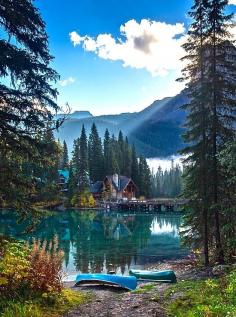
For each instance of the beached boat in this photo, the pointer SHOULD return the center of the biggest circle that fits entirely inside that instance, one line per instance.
(127, 282)
(167, 276)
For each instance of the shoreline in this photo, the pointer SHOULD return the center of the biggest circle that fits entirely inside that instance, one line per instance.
(146, 301)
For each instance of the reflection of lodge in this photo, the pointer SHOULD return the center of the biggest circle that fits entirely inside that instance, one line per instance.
(102, 242)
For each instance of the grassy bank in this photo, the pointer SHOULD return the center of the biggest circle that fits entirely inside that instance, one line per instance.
(203, 298)
(45, 305)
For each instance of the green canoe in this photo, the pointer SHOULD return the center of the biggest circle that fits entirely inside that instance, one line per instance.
(167, 276)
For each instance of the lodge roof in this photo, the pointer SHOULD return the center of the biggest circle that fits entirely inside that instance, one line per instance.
(123, 181)
(96, 187)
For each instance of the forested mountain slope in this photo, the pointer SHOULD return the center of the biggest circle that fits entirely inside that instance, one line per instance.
(156, 131)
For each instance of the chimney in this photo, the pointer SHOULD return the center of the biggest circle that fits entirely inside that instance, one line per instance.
(115, 178)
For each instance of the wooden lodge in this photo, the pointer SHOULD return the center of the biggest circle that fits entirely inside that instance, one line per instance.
(63, 179)
(114, 187)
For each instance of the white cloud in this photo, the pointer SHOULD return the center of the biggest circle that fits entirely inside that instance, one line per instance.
(151, 45)
(232, 2)
(76, 38)
(67, 81)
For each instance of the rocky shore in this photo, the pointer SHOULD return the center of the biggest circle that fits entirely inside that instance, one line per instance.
(147, 301)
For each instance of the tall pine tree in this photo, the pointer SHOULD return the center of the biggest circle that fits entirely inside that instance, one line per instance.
(27, 96)
(65, 158)
(83, 173)
(74, 168)
(107, 147)
(210, 74)
(96, 158)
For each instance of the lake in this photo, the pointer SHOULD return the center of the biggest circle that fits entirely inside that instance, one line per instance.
(100, 241)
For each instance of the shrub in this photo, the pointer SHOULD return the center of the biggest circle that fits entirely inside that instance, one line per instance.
(83, 200)
(91, 201)
(75, 200)
(35, 269)
(45, 273)
(14, 267)
(31, 281)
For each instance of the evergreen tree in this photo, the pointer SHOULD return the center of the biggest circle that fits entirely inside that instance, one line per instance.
(108, 156)
(120, 152)
(167, 184)
(228, 170)
(221, 88)
(134, 166)
(96, 159)
(25, 62)
(27, 97)
(144, 181)
(83, 179)
(50, 162)
(196, 134)
(65, 158)
(75, 156)
(115, 156)
(74, 168)
(127, 154)
(211, 115)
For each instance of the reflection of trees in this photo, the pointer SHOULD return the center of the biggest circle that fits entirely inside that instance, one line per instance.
(110, 241)
(100, 241)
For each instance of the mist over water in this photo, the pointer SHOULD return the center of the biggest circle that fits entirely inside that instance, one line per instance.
(164, 163)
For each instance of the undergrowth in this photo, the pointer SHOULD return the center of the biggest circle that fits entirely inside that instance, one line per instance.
(43, 306)
(31, 281)
(209, 298)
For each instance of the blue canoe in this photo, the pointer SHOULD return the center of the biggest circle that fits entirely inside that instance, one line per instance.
(127, 282)
(158, 276)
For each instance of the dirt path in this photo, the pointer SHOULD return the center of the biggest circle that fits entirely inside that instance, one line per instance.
(146, 301)
(108, 302)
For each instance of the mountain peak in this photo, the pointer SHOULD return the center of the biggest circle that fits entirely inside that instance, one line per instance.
(81, 113)
(78, 114)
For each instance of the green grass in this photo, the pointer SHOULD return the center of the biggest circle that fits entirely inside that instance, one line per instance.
(209, 298)
(48, 305)
(144, 289)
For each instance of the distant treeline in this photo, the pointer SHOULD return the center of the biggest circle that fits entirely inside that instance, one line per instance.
(167, 183)
(93, 159)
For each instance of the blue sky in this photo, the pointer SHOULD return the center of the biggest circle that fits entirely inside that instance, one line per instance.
(115, 56)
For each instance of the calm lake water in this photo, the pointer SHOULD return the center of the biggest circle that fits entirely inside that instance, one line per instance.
(100, 242)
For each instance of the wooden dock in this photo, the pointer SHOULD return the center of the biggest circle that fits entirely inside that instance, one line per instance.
(152, 205)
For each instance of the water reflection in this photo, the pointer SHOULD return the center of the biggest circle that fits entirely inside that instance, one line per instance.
(99, 242)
